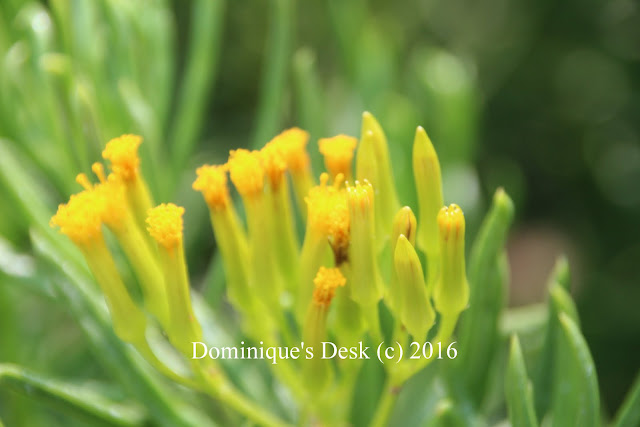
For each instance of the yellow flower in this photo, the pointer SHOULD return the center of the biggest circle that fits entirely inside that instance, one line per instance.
(165, 225)
(247, 172)
(338, 154)
(122, 153)
(328, 215)
(80, 219)
(124, 162)
(326, 282)
(292, 143)
(212, 182)
(274, 164)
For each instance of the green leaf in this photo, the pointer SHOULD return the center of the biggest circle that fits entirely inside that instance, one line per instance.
(518, 389)
(561, 273)
(309, 93)
(559, 302)
(202, 59)
(166, 406)
(83, 402)
(576, 400)
(277, 55)
(448, 414)
(479, 332)
(629, 413)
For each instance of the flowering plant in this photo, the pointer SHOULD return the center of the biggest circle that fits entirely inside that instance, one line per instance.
(359, 248)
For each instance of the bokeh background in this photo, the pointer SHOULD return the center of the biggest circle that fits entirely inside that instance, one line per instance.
(540, 97)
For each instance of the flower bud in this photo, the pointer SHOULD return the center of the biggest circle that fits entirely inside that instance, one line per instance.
(415, 309)
(366, 287)
(404, 224)
(426, 171)
(165, 226)
(229, 234)
(451, 292)
(317, 371)
(383, 180)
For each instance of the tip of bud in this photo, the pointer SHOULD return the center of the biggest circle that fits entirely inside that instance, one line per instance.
(451, 221)
(422, 145)
(360, 197)
(164, 223)
(501, 198)
(405, 224)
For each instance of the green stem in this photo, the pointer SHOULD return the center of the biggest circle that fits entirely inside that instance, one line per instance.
(219, 388)
(447, 325)
(373, 320)
(386, 403)
(395, 382)
(145, 350)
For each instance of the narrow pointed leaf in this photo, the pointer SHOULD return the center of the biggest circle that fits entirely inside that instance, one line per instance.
(629, 413)
(518, 389)
(488, 279)
(83, 402)
(559, 302)
(576, 400)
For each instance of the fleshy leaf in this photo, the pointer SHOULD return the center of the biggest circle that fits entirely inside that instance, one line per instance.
(488, 277)
(518, 389)
(576, 401)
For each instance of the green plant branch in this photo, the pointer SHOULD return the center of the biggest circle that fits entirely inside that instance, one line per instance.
(397, 378)
(218, 387)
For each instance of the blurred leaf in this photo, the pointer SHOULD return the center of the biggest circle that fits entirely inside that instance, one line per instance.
(559, 302)
(275, 65)
(518, 389)
(479, 332)
(368, 389)
(629, 413)
(418, 398)
(202, 60)
(83, 300)
(79, 401)
(348, 18)
(525, 319)
(576, 400)
(309, 93)
(447, 414)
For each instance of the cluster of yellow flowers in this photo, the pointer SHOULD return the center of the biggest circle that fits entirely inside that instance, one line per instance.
(283, 286)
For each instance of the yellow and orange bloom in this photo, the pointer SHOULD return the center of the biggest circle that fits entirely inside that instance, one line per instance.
(338, 154)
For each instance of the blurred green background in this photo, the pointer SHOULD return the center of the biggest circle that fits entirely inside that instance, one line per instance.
(540, 97)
